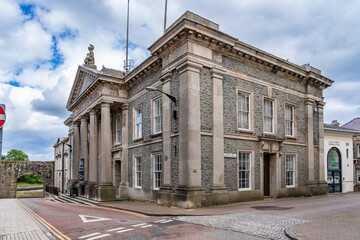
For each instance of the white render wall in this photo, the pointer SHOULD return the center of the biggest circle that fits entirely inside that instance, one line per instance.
(342, 141)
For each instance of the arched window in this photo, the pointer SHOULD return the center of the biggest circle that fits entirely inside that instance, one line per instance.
(333, 159)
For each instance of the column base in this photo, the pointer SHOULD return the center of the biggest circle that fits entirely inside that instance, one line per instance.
(189, 196)
(124, 190)
(164, 196)
(90, 190)
(313, 188)
(218, 196)
(105, 192)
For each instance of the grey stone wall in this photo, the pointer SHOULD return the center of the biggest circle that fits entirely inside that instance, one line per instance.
(230, 84)
(144, 102)
(316, 162)
(146, 161)
(206, 105)
(176, 93)
(301, 165)
(251, 69)
(175, 161)
(11, 171)
(316, 125)
(144, 83)
(232, 146)
(206, 162)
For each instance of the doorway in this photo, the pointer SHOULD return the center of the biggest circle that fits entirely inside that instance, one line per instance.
(334, 174)
(266, 174)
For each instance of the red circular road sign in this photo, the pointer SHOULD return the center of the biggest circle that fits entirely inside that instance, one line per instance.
(2, 116)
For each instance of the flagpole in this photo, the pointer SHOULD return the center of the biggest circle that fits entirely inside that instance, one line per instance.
(127, 41)
(165, 15)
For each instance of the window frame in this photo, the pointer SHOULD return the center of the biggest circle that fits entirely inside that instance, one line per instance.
(293, 119)
(293, 171)
(154, 171)
(118, 131)
(137, 124)
(251, 111)
(358, 150)
(136, 171)
(358, 175)
(251, 173)
(153, 117)
(273, 115)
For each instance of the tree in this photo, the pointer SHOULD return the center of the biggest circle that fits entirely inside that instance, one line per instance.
(16, 155)
(2, 157)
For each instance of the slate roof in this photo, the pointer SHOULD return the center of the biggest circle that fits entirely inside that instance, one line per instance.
(353, 124)
(340, 129)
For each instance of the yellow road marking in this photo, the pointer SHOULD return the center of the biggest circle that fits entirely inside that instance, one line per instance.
(107, 208)
(51, 228)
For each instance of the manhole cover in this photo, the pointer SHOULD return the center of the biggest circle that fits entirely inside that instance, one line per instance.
(275, 208)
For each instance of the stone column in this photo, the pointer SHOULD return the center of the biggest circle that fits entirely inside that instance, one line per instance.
(322, 182)
(189, 193)
(93, 156)
(310, 143)
(218, 188)
(124, 184)
(105, 190)
(76, 155)
(84, 152)
(164, 195)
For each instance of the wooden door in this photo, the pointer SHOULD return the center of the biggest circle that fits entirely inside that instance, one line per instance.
(266, 174)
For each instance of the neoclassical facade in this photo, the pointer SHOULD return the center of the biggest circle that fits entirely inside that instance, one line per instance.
(62, 164)
(242, 124)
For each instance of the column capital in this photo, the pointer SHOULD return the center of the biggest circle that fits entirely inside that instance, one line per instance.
(84, 118)
(93, 111)
(321, 105)
(105, 104)
(217, 73)
(189, 66)
(166, 77)
(309, 101)
(125, 107)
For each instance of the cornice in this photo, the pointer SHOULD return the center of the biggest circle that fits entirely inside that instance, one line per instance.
(188, 30)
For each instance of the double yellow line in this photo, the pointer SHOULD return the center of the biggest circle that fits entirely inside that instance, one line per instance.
(51, 228)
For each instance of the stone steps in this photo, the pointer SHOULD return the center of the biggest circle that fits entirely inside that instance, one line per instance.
(74, 200)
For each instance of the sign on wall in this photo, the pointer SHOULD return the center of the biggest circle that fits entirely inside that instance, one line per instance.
(2, 122)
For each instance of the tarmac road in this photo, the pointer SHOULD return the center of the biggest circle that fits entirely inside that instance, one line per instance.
(69, 221)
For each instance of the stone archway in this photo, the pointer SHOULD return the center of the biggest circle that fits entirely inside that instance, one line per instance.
(11, 171)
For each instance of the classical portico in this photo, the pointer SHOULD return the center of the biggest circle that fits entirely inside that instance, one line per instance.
(95, 94)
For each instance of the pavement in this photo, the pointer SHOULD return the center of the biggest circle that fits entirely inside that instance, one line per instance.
(17, 223)
(334, 216)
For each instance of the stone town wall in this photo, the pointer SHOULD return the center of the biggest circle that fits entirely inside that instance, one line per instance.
(11, 171)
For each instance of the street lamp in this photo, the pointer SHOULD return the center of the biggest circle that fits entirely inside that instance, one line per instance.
(172, 98)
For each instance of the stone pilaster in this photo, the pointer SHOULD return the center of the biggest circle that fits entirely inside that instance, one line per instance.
(76, 155)
(84, 152)
(309, 108)
(93, 156)
(189, 193)
(322, 184)
(105, 190)
(164, 195)
(124, 184)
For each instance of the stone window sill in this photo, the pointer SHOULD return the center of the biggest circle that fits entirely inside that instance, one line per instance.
(138, 140)
(245, 131)
(155, 135)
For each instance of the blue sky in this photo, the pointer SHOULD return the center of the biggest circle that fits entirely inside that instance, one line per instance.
(42, 43)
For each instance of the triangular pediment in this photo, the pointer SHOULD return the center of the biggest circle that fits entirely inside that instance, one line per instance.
(83, 79)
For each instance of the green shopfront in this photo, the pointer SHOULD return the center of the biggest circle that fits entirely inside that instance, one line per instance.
(334, 175)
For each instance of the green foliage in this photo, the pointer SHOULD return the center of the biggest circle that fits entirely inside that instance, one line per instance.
(31, 178)
(16, 155)
(2, 157)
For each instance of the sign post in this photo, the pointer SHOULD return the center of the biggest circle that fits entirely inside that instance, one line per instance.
(2, 121)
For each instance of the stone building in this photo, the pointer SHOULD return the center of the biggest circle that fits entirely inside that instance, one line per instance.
(242, 124)
(62, 162)
(338, 157)
(355, 125)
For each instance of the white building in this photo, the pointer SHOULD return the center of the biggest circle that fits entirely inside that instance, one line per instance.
(62, 162)
(338, 157)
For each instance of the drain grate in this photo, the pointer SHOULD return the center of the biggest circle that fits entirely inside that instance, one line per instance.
(274, 208)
